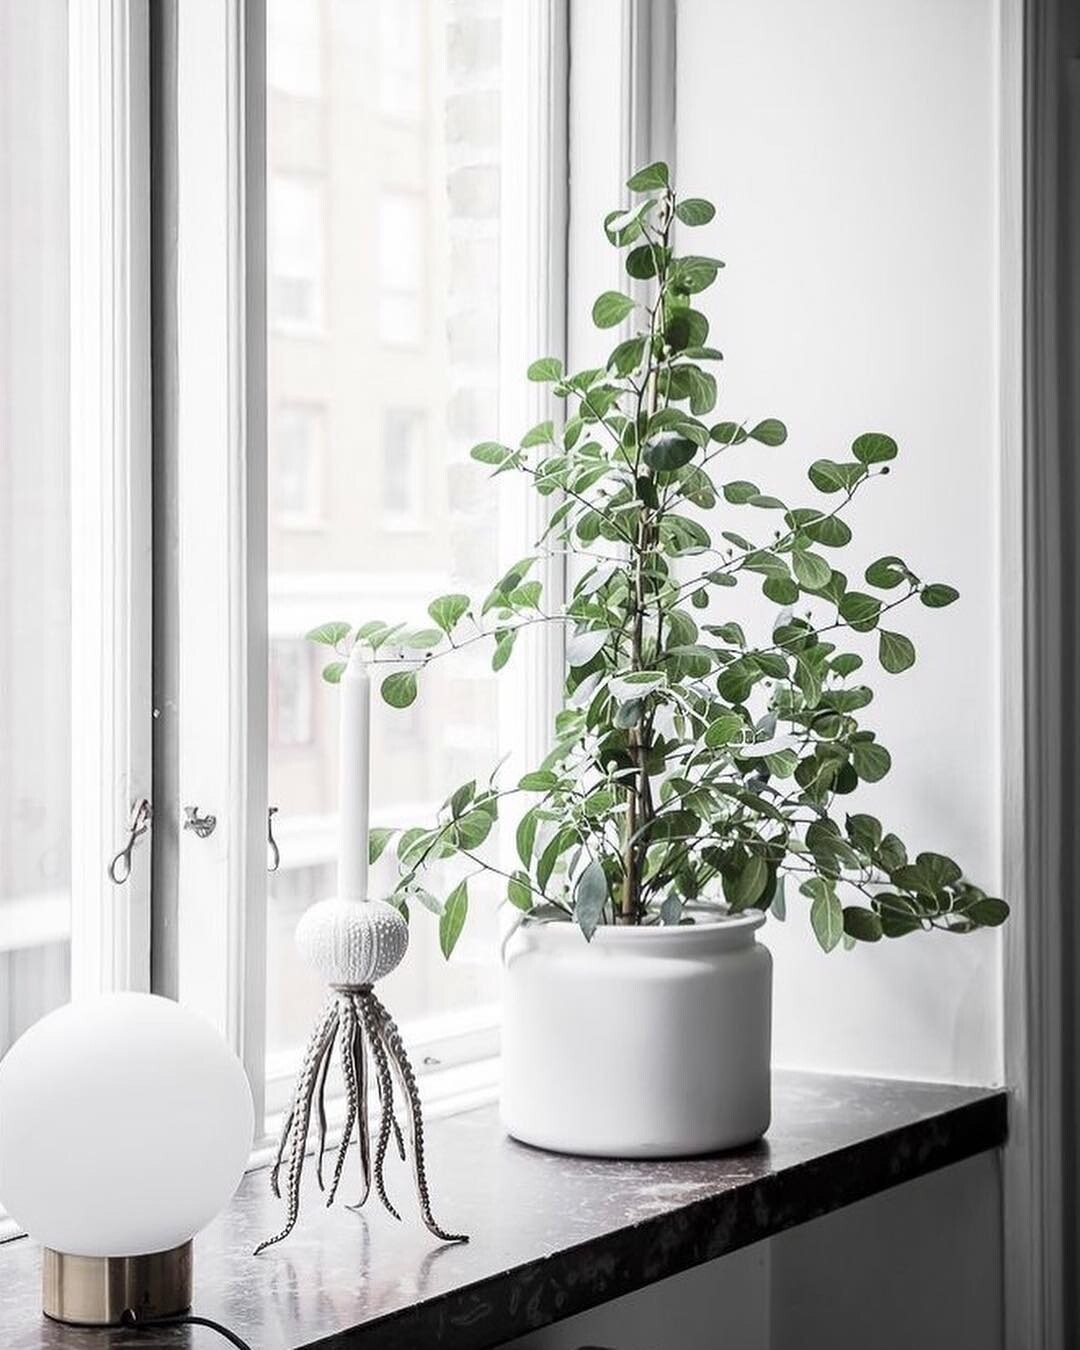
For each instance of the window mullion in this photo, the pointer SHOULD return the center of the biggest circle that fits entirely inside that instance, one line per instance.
(110, 485)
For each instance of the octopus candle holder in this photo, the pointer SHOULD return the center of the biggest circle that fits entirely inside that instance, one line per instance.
(352, 944)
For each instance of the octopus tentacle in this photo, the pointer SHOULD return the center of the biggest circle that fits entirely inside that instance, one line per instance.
(363, 1127)
(286, 1131)
(320, 1112)
(390, 1036)
(372, 1029)
(347, 1023)
(317, 1048)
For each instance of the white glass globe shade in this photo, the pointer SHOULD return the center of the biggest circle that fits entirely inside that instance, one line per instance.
(125, 1126)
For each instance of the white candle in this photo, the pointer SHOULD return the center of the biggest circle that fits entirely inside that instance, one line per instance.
(354, 774)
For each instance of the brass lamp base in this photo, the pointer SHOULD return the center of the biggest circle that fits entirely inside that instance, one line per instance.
(96, 1291)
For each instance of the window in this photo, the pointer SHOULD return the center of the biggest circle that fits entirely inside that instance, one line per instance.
(291, 705)
(296, 252)
(401, 269)
(299, 432)
(401, 60)
(294, 48)
(410, 376)
(403, 469)
(35, 521)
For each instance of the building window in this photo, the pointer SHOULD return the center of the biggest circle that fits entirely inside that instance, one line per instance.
(292, 720)
(403, 469)
(401, 269)
(296, 228)
(401, 60)
(294, 47)
(299, 436)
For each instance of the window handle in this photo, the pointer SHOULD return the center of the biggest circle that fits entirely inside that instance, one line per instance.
(119, 868)
(204, 826)
(275, 852)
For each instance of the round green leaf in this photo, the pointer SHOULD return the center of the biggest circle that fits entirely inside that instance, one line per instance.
(611, 308)
(895, 652)
(874, 447)
(650, 179)
(725, 729)
(447, 610)
(827, 919)
(695, 211)
(399, 689)
(872, 761)
(769, 432)
(811, 570)
(669, 451)
(590, 897)
(329, 634)
(989, 912)
(938, 595)
(859, 610)
(544, 371)
(862, 924)
(885, 573)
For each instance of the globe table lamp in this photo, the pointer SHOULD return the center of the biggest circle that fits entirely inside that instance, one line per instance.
(125, 1126)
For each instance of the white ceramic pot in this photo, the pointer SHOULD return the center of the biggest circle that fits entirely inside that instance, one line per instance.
(649, 1042)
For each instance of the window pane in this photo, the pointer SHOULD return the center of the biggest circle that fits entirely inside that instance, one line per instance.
(403, 159)
(35, 562)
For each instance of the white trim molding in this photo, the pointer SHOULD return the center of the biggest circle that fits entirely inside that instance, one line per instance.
(108, 90)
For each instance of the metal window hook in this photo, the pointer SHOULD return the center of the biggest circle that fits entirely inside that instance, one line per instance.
(275, 852)
(204, 826)
(119, 868)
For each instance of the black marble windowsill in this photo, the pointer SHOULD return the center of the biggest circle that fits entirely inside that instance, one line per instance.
(551, 1235)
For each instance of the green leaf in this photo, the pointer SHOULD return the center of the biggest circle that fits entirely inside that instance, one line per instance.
(525, 836)
(590, 897)
(885, 573)
(333, 672)
(872, 761)
(491, 452)
(541, 434)
(725, 729)
(453, 917)
(420, 638)
(611, 308)
(399, 689)
(811, 570)
(695, 211)
(874, 447)
(859, 610)
(329, 634)
(627, 356)
(938, 595)
(749, 886)
(669, 451)
(519, 892)
(691, 275)
(650, 179)
(582, 647)
(769, 432)
(546, 369)
(542, 780)
(472, 829)
(895, 652)
(739, 492)
(827, 919)
(641, 261)
(988, 912)
(862, 924)
(447, 610)
(828, 476)
(377, 842)
(504, 646)
(728, 433)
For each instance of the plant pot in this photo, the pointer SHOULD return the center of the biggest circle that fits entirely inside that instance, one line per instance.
(647, 1042)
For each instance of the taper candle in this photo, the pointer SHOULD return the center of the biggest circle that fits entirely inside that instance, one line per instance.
(354, 772)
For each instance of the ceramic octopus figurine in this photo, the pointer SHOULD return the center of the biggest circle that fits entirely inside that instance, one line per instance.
(352, 944)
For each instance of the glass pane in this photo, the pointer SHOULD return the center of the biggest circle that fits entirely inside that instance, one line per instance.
(385, 222)
(35, 563)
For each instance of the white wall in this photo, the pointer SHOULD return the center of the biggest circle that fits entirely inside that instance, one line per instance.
(851, 148)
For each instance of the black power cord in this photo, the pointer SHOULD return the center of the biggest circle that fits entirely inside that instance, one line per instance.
(130, 1318)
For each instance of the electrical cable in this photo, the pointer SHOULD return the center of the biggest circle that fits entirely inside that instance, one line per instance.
(130, 1318)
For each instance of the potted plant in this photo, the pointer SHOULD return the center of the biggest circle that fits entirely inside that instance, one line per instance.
(699, 773)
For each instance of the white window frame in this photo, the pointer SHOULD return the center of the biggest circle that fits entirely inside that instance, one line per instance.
(108, 90)
(110, 497)
(221, 381)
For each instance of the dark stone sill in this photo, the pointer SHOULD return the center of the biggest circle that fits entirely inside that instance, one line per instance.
(551, 1235)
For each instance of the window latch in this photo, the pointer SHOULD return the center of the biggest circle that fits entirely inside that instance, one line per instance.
(119, 868)
(275, 852)
(204, 826)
